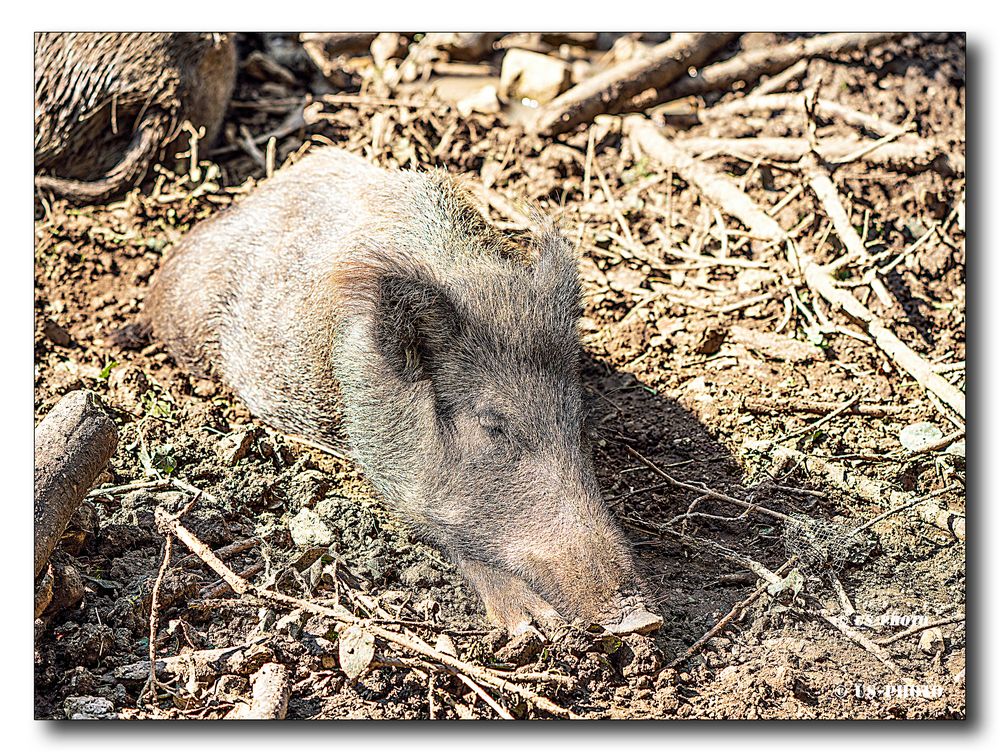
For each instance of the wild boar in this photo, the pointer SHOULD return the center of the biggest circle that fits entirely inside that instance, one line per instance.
(108, 104)
(344, 300)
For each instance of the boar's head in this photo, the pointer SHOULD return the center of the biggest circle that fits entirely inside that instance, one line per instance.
(462, 395)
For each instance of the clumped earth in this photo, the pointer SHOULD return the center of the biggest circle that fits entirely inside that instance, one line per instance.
(704, 352)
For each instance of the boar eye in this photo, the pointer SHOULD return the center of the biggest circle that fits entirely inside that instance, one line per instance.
(492, 423)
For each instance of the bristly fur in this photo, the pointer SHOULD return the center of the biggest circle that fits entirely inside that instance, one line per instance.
(108, 104)
(344, 299)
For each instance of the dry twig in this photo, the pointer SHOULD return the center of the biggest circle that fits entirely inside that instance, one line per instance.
(854, 635)
(918, 628)
(907, 154)
(734, 613)
(411, 644)
(750, 66)
(770, 103)
(817, 407)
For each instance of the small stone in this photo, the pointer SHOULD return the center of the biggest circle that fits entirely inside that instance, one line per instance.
(482, 100)
(916, 436)
(421, 574)
(932, 641)
(386, 46)
(309, 487)
(530, 75)
(231, 687)
(204, 387)
(126, 387)
(308, 529)
(711, 340)
(88, 708)
(68, 589)
(640, 656)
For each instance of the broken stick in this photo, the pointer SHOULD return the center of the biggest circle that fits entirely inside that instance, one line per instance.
(817, 407)
(717, 188)
(871, 490)
(269, 699)
(611, 90)
(908, 154)
(770, 103)
(73, 443)
(822, 282)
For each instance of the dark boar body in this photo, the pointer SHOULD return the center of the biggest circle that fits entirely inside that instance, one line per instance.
(341, 299)
(107, 105)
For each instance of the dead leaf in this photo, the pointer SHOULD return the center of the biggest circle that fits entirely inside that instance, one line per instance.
(357, 649)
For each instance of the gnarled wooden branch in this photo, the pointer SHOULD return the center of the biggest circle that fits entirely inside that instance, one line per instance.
(73, 443)
(612, 90)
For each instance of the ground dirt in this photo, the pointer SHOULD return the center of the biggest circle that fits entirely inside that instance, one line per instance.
(695, 358)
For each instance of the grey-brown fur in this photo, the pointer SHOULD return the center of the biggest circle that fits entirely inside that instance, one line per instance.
(342, 300)
(108, 104)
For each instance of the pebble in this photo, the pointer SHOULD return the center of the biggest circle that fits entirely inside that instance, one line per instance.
(88, 708)
(308, 529)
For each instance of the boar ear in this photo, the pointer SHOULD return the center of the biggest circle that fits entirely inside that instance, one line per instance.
(556, 267)
(416, 322)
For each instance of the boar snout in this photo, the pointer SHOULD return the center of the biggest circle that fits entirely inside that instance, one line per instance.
(579, 563)
(513, 604)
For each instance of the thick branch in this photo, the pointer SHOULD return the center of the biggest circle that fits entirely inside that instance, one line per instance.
(72, 445)
(270, 693)
(612, 90)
